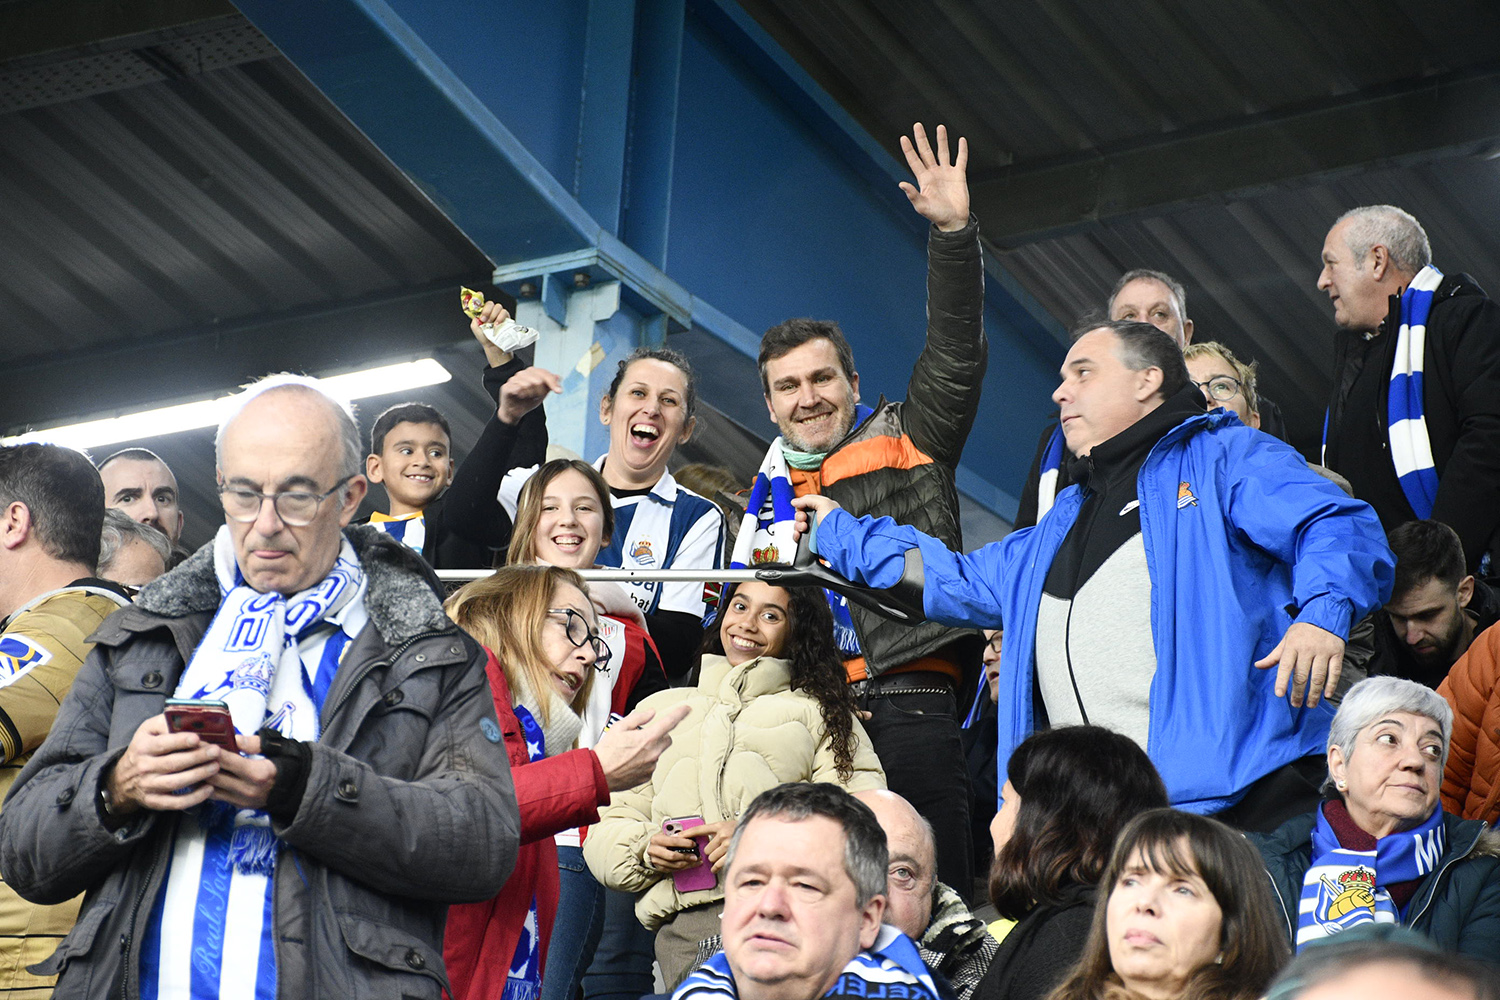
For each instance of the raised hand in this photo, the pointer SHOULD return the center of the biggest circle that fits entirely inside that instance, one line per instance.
(941, 194)
(524, 392)
(629, 749)
(493, 314)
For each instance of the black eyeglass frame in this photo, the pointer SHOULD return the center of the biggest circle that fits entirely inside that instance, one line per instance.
(1239, 387)
(601, 648)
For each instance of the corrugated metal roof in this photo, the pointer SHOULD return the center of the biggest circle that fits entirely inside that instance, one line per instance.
(1048, 83)
(191, 180)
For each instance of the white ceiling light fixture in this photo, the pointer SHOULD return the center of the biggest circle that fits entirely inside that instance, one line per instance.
(207, 412)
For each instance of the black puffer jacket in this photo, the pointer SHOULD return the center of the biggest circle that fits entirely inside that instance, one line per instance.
(899, 462)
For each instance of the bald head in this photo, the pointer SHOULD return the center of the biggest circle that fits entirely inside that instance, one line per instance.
(913, 865)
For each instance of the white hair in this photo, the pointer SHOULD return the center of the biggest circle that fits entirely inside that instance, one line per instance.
(353, 458)
(119, 529)
(1374, 698)
(1393, 228)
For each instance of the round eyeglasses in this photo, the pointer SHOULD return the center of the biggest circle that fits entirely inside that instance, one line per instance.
(1220, 389)
(579, 633)
(295, 508)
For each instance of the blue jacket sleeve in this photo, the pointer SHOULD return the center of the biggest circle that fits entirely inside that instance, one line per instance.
(1342, 568)
(957, 589)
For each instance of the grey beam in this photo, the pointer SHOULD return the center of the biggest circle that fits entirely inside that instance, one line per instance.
(1419, 121)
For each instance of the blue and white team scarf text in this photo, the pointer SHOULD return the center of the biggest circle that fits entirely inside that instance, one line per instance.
(211, 933)
(767, 536)
(1406, 423)
(892, 968)
(1343, 888)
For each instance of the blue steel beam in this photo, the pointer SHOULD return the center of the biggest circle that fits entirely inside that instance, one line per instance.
(609, 51)
(410, 103)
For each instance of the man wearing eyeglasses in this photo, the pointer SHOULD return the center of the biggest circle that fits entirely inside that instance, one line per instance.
(1192, 590)
(365, 788)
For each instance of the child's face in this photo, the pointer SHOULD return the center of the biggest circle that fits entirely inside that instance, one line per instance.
(414, 466)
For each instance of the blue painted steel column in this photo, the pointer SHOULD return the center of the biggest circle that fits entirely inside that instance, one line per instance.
(653, 115)
(608, 57)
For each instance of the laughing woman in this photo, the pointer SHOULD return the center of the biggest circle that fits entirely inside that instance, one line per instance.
(772, 705)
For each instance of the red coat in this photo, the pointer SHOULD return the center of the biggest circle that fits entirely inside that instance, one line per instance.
(553, 795)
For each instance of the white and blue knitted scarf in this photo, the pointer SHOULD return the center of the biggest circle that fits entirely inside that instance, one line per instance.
(1343, 887)
(1411, 449)
(271, 659)
(1051, 467)
(891, 968)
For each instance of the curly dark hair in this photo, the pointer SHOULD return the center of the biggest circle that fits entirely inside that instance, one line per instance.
(817, 667)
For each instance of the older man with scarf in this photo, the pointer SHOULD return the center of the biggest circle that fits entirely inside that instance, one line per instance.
(1414, 419)
(370, 788)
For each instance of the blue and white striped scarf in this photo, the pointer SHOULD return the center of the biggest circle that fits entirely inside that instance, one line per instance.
(1344, 887)
(1046, 487)
(1411, 449)
(766, 536)
(524, 981)
(1406, 424)
(891, 968)
(272, 660)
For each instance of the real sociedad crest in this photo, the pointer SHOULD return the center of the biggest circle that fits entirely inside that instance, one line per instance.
(1348, 901)
(769, 554)
(253, 674)
(641, 553)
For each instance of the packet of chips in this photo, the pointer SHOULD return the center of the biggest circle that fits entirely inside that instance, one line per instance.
(509, 336)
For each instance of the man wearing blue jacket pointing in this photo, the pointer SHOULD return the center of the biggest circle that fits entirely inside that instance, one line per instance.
(1192, 555)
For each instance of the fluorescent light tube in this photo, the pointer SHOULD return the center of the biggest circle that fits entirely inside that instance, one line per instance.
(380, 381)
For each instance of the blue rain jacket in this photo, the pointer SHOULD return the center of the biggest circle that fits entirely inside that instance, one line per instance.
(1241, 538)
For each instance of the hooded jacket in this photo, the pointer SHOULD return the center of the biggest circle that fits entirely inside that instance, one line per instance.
(747, 731)
(408, 804)
(1457, 905)
(1241, 540)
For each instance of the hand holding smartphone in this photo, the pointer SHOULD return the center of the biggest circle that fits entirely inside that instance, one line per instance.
(699, 876)
(209, 719)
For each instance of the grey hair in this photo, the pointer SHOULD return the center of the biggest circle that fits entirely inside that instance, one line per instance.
(1393, 228)
(866, 857)
(1179, 294)
(1142, 346)
(1376, 697)
(353, 460)
(119, 529)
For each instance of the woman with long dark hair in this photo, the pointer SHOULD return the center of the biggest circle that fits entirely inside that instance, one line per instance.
(1068, 791)
(771, 706)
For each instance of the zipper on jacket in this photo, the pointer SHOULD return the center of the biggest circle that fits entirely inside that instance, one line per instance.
(1412, 921)
(135, 912)
(384, 661)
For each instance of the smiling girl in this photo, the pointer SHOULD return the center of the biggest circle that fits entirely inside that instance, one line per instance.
(771, 706)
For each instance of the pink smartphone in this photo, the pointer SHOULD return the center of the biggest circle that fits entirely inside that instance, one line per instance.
(701, 875)
(209, 719)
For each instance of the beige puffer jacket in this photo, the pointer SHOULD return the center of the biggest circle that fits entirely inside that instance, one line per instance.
(747, 732)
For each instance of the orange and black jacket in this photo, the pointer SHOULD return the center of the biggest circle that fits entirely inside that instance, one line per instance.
(899, 461)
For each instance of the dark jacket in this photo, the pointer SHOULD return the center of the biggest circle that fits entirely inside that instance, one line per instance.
(1041, 949)
(467, 528)
(1392, 656)
(1458, 905)
(408, 803)
(1461, 403)
(899, 462)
